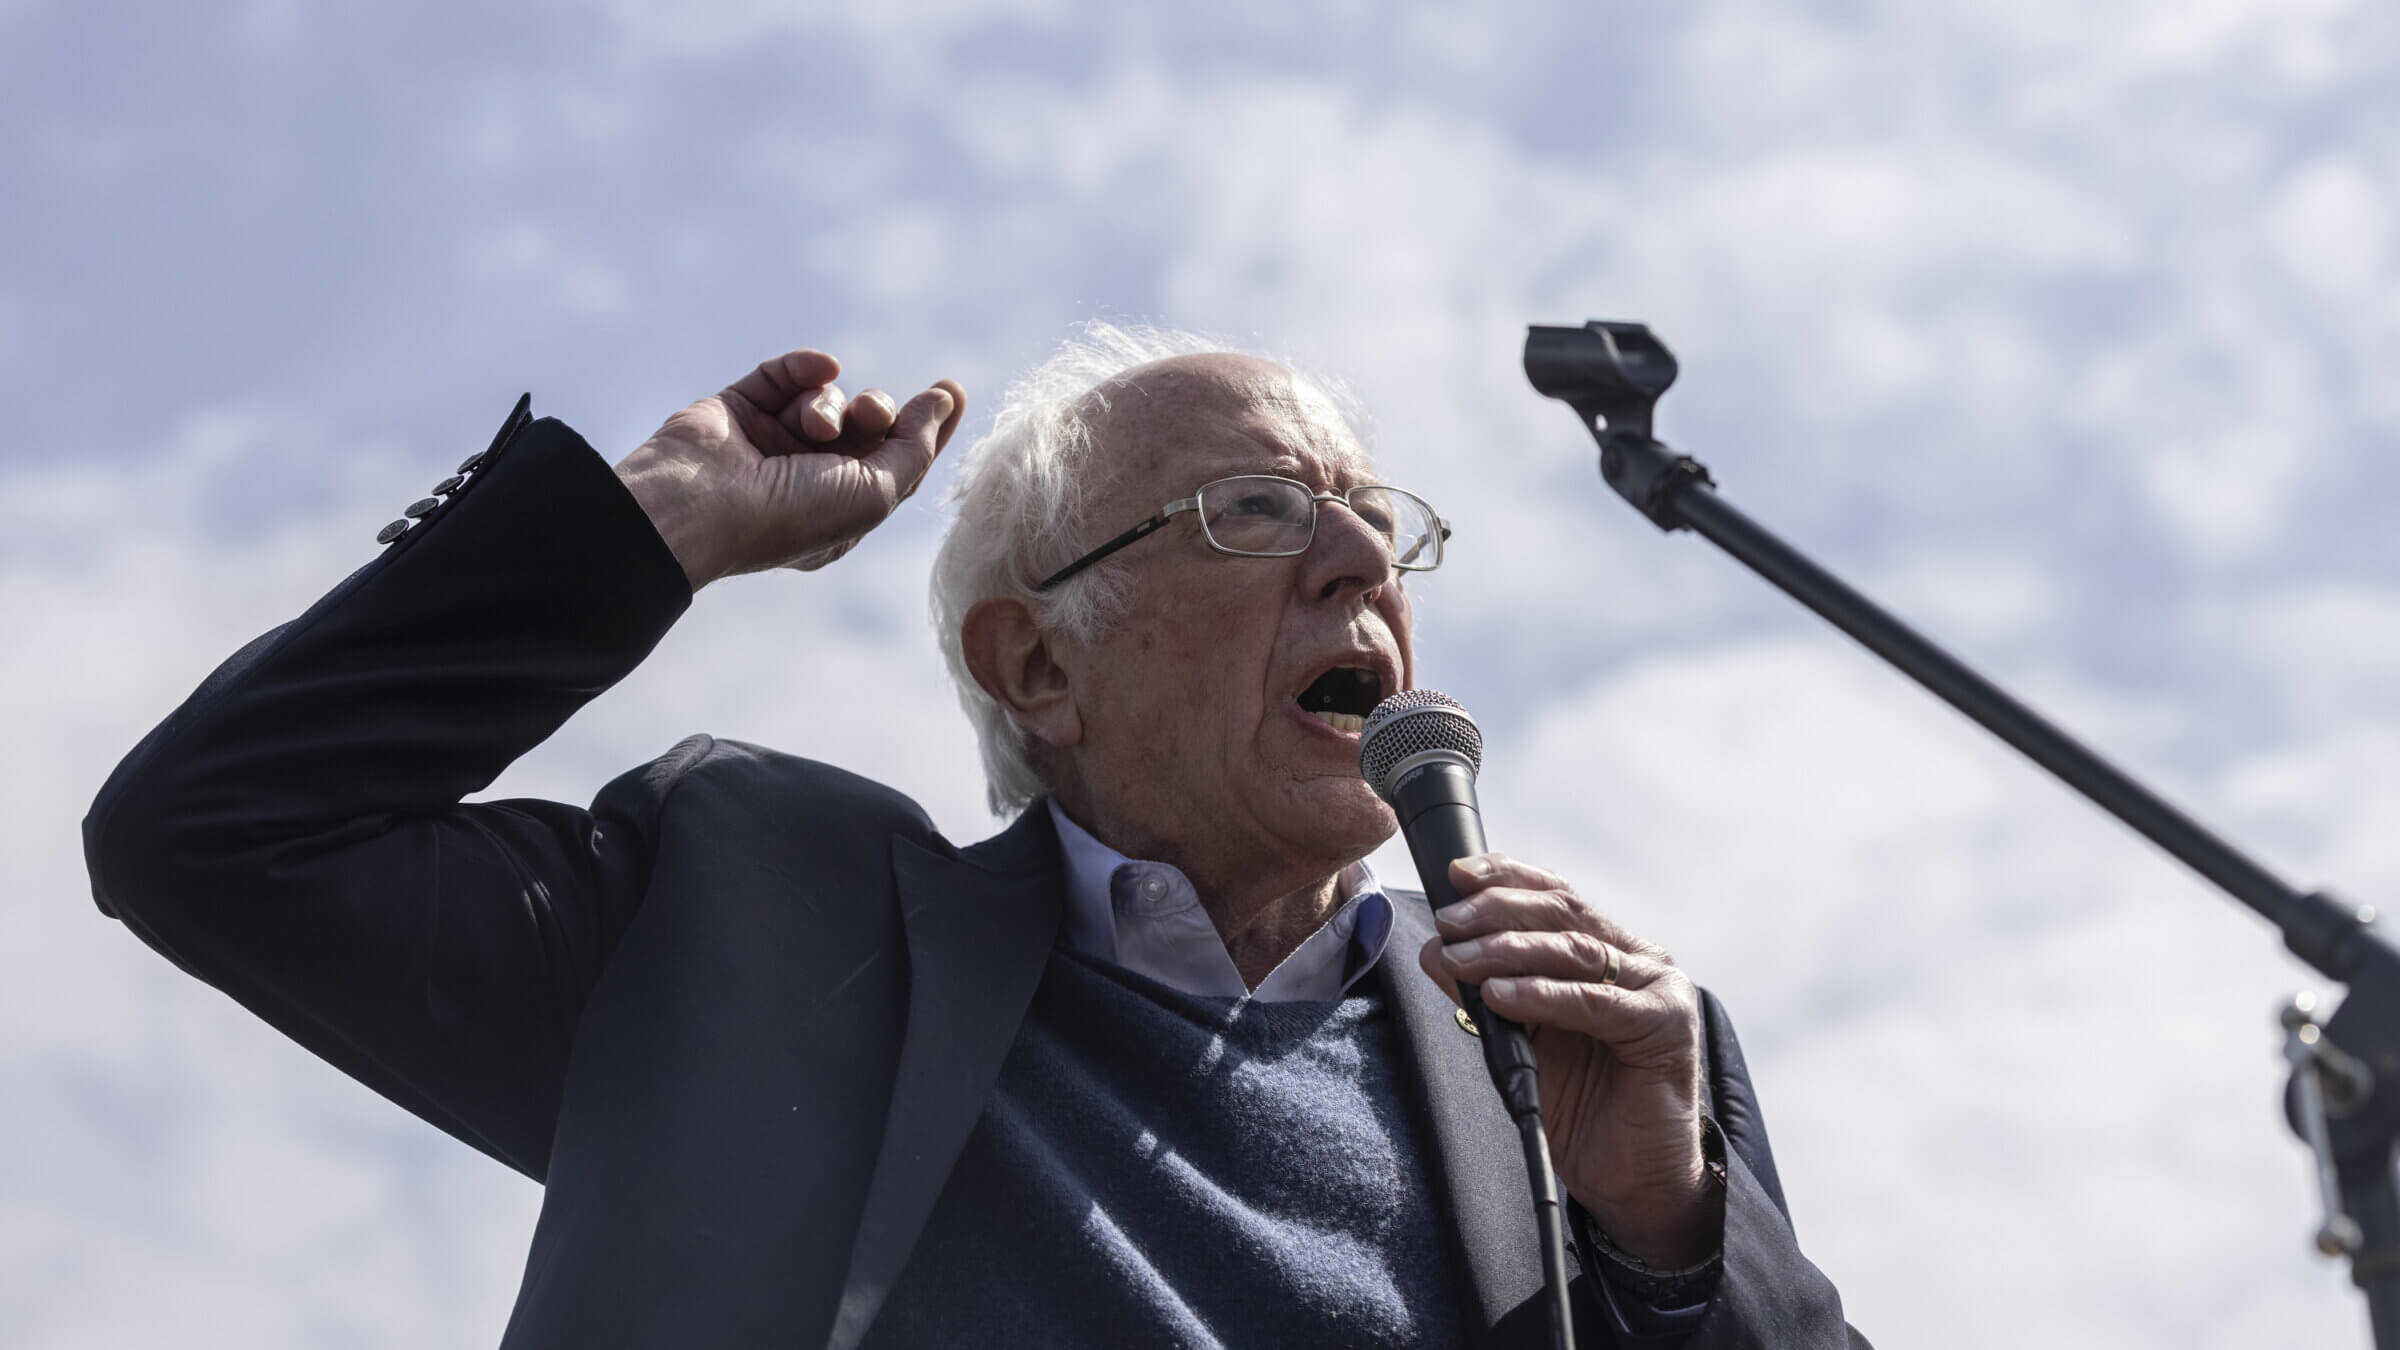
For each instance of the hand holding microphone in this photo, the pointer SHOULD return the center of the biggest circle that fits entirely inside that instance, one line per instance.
(1613, 1026)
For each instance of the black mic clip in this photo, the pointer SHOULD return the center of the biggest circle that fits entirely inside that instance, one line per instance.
(1609, 370)
(1611, 373)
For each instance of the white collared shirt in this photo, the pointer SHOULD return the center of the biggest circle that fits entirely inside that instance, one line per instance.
(1146, 917)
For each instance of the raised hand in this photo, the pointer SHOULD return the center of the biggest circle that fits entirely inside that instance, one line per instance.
(777, 471)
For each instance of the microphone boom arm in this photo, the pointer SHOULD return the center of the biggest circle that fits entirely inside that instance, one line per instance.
(1613, 372)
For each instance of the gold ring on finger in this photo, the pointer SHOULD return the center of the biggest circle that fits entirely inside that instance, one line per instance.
(1615, 966)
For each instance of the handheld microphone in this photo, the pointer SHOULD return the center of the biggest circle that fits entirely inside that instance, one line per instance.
(1420, 751)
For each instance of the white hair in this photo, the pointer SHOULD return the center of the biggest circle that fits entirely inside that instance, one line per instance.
(1021, 497)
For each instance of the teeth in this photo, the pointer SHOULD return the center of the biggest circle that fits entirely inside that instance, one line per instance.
(1341, 721)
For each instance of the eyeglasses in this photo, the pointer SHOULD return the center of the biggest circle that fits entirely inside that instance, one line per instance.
(1256, 515)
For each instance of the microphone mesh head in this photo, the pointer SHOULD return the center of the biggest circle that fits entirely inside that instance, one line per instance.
(1409, 724)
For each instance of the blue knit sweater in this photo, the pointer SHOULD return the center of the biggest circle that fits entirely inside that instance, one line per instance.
(1156, 1168)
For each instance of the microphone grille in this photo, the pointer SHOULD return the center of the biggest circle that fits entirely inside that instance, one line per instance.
(1409, 724)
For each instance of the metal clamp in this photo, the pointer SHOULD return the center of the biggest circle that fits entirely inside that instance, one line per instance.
(2322, 1076)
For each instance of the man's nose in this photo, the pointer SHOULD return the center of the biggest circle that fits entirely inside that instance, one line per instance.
(1347, 554)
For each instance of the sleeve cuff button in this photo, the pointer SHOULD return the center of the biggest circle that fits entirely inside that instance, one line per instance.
(420, 507)
(391, 532)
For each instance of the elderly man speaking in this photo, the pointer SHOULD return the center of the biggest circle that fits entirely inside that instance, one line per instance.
(1160, 1064)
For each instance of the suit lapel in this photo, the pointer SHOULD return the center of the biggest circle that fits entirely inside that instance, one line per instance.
(979, 926)
(1481, 1167)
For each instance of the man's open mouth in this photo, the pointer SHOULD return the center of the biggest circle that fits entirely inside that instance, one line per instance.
(1342, 697)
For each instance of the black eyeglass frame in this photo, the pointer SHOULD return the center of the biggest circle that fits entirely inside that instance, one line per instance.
(1192, 503)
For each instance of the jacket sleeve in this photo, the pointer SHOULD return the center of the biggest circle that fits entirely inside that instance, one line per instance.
(1769, 1294)
(293, 834)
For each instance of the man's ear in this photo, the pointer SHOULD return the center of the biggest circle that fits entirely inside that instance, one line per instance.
(1014, 661)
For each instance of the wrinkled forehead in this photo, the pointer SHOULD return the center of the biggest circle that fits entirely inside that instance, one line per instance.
(1172, 424)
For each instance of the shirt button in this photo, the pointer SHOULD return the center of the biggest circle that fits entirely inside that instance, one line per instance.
(1154, 888)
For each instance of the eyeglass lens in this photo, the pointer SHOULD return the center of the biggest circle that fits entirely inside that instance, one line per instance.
(1275, 517)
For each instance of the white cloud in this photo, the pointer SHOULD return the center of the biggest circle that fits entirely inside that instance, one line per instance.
(531, 260)
(2330, 226)
(697, 31)
(515, 121)
(2332, 648)
(1989, 595)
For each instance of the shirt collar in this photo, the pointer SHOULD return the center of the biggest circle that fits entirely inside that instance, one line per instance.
(1147, 917)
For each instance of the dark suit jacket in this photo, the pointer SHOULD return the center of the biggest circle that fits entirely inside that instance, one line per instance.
(740, 1014)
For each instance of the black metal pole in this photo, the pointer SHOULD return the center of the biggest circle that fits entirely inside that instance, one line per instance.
(1715, 519)
(1612, 373)
(2374, 1201)
(1677, 493)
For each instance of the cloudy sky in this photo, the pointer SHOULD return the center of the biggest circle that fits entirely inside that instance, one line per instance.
(2068, 328)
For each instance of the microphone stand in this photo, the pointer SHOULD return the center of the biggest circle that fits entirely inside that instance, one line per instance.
(2343, 1097)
